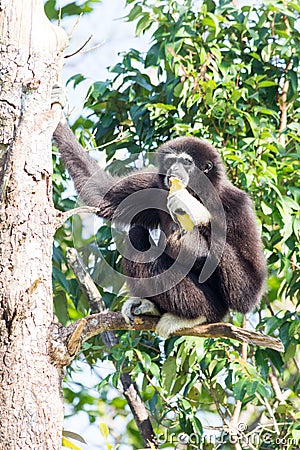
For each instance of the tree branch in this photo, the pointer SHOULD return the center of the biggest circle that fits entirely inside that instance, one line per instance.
(108, 321)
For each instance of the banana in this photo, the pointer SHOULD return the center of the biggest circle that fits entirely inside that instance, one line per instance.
(182, 217)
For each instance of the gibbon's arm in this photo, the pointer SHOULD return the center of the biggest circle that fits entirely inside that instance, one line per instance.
(242, 267)
(83, 169)
(99, 189)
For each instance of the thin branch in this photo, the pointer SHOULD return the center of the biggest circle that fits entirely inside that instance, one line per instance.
(92, 48)
(275, 385)
(130, 389)
(265, 402)
(85, 281)
(121, 136)
(80, 48)
(75, 26)
(283, 104)
(62, 217)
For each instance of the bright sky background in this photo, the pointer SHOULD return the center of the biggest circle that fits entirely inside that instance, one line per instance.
(107, 26)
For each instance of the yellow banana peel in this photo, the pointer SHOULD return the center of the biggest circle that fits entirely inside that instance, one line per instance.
(183, 219)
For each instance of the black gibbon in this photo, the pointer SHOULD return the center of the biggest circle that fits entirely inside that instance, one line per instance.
(167, 278)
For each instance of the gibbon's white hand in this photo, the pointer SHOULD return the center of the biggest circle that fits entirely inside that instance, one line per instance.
(182, 202)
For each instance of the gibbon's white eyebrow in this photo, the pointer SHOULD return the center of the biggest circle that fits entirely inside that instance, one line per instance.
(178, 156)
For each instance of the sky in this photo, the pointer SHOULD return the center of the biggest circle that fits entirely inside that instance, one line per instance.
(114, 34)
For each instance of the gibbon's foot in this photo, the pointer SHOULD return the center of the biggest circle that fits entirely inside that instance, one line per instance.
(183, 201)
(135, 306)
(169, 323)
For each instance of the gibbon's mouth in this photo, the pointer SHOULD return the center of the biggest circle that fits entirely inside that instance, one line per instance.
(172, 178)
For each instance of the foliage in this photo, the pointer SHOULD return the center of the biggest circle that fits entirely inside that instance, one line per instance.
(229, 75)
(54, 11)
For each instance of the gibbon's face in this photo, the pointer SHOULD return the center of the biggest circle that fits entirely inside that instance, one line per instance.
(182, 158)
(178, 166)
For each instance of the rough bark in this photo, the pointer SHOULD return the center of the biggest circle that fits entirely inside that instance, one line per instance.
(31, 408)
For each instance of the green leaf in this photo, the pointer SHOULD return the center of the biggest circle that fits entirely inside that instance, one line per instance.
(263, 84)
(76, 79)
(294, 80)
(143, 24)
(239, 389)
(273, 323)
(266, 53)
(236, 95)
(144, 358)
(136, 11)
(59, 276)
(61, 308)
(155, 370)
(262, 364)
(264, 390)
(266, 209)
(168, 372)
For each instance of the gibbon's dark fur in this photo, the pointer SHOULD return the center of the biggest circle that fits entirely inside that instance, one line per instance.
(238, 281)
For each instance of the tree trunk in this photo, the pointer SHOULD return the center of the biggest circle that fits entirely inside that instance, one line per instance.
(31, 407)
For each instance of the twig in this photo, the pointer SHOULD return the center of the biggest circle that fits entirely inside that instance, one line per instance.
(297, 365)
(59, 16)
(283, 104)
(270, 411)
(80, 48)
(75, 26)
(130, 389)
(92, 48)
(62, 217)
(85, 281)
(275, 385)
(122, 135)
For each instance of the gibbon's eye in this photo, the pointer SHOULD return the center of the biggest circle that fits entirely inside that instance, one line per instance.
(169, 161)
(188, 162)
(208, 166)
